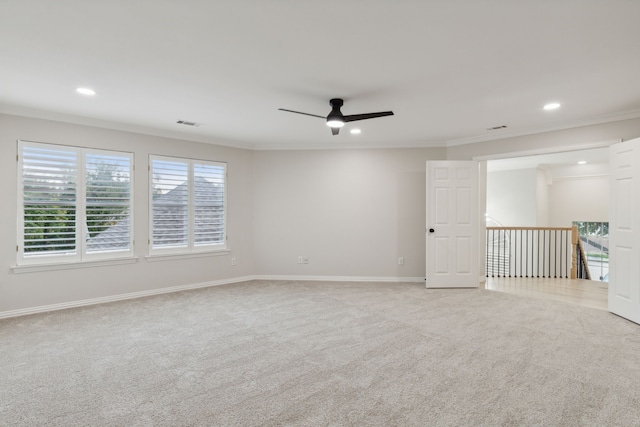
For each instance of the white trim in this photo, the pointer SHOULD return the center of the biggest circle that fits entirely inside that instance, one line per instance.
(33, 268)
(576, 177)
(175, 256)
(493, 136)
(346, 145)
(341, 278)
(190, 247)
(142, 294)
(120, 297)
(80, 254)
(548, 150)
(181, 135)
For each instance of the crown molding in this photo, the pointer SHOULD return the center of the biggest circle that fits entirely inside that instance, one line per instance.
(548, 150)
(344, 146)
(105, 124)
(608, 118)
(184, 136)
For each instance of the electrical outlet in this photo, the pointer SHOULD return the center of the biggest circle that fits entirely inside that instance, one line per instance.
(305, 260)
(401, 260)
(234, 261)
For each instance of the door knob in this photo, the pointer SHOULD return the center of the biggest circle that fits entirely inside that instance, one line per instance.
(431, 230)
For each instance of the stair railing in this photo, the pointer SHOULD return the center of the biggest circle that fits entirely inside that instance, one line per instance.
(544, 252)
(580, 258)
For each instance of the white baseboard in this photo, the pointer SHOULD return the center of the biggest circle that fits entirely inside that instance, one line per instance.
(120, 297)
(133, 295)
(341, 278)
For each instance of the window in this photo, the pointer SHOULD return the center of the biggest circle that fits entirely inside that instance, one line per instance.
(75, 204)
(594, 238)
(188, 204)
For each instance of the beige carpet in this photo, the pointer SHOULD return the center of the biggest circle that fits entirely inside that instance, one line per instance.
(315, 354)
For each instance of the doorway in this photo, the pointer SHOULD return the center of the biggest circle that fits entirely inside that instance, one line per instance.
(550, 188)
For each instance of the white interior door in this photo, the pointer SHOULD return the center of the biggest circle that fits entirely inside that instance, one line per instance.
(624, 230)
(452, 224)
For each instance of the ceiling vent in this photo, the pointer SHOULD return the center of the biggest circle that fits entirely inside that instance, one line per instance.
(498, 127)
(188, 123)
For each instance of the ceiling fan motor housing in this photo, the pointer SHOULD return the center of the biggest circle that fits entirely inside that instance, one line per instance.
(335, 117)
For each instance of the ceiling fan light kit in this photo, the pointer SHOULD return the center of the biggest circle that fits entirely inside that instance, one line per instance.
(336, 120)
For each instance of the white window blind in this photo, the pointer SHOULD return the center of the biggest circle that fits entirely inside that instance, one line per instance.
(188, 205)
(49, 177)
(170, 203)
(208, 204)
(75, 204)
(108, 202)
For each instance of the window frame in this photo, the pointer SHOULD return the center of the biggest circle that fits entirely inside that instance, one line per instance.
(190, 249)
(80, 254)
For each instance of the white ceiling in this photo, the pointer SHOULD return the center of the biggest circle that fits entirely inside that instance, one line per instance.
(448, 69)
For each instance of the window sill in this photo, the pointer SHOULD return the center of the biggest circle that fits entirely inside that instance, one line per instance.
(170, 257)
(33, 268)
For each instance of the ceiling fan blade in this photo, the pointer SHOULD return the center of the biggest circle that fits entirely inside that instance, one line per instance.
(335, 131)
(300, 112)
(355, 117)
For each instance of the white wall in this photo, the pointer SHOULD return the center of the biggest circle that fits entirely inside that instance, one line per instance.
(542, 199)
(352, 212)
(579, 199)
(512, 197)
(524, 197)
(19, 291)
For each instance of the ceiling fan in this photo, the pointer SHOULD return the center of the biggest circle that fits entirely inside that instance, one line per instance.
(335, 119)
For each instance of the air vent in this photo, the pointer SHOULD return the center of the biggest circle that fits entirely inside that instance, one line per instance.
(498, 127)
(187, 123)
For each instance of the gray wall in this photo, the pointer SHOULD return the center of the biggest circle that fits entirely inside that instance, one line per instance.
(352, 212)
(18, 291)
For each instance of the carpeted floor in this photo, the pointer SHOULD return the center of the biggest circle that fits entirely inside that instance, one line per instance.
(321, 353)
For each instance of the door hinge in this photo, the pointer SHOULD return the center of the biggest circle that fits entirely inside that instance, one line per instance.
(17, 248)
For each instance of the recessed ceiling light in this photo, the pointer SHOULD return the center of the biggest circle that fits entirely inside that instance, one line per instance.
(582, 162)
(355, 131)
(551, 106)
(86, 91)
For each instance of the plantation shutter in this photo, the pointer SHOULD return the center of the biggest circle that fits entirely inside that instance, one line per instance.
(49, 200)
(75, 204)
(170, 203)
(188, 211)
(209, 203)
(108, 202)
